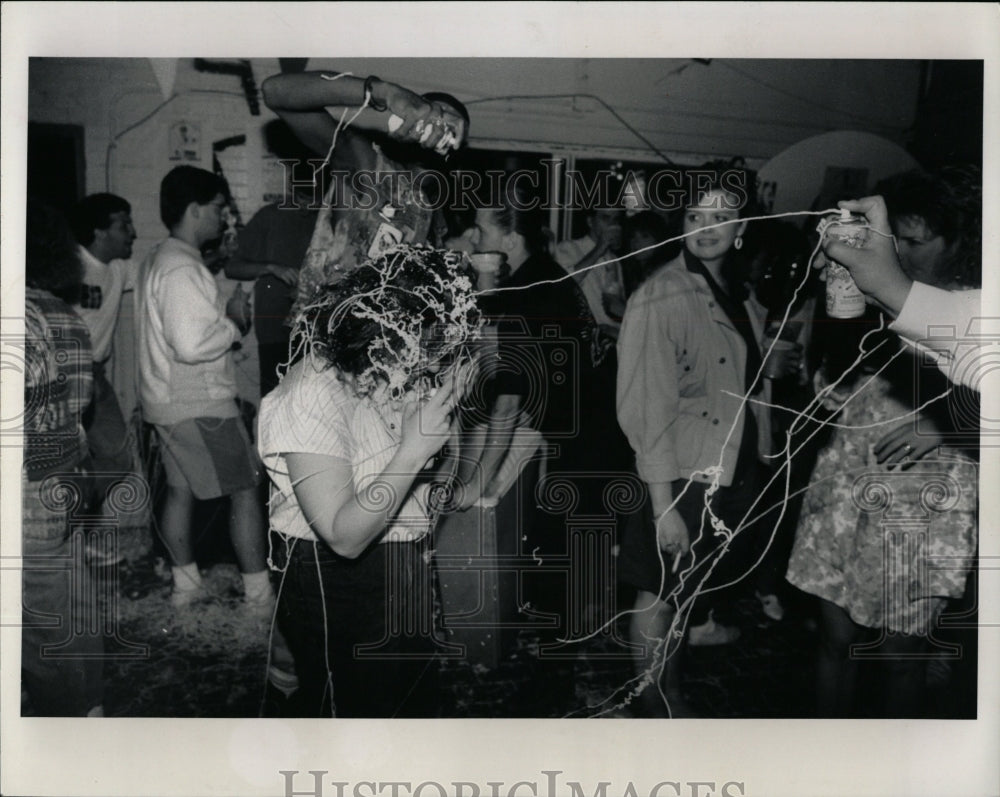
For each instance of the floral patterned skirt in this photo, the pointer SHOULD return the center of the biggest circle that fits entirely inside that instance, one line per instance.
(890, 547)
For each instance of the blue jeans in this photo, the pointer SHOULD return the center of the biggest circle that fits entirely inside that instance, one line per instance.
(107, 432)
(371, 619)
(61, 634)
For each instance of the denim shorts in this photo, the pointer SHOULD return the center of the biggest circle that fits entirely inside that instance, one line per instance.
(211, 456)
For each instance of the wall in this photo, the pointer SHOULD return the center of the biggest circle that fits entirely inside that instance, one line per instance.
(688, 109)
(127, 128)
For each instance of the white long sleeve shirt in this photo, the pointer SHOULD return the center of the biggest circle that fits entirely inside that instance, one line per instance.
(948, 327)
(186, 368)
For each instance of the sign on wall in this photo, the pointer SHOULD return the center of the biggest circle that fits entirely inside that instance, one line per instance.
(184, 141)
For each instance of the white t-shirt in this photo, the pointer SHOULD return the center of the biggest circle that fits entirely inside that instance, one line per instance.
(103, 286)
(313, 412)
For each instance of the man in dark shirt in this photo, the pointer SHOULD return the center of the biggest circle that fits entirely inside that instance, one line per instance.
(271, 250)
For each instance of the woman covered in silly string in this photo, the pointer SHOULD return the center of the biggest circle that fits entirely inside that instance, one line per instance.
(364, 127)
(350, 439)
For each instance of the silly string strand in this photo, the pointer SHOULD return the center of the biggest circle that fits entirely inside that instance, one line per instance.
(682, 613)
(651, 247)
(341, 125)
(679, 624)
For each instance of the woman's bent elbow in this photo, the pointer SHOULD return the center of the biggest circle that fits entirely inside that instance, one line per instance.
(270, 90)
(349, 553)
(347, 549)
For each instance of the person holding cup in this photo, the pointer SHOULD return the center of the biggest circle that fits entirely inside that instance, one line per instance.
(489, 267)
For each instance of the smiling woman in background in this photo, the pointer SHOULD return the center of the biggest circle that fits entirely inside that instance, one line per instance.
(688, 351)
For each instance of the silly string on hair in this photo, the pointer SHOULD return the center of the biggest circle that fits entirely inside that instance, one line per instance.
(417, 308)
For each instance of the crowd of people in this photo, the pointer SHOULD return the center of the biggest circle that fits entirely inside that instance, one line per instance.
(402, 358)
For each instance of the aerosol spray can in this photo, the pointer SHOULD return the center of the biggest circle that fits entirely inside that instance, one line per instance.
(843, 298)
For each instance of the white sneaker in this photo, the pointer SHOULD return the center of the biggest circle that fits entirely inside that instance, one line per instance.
(772, 607)
(284, 681)
(261, 608)
(96, 556)
(183, 598)
(712, 633)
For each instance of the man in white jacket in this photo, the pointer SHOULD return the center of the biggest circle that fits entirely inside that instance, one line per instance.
(188, 388)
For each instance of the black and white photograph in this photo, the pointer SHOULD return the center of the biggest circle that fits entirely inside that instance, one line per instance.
(381, 393)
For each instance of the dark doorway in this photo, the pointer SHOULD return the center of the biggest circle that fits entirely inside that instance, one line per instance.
(56, 164)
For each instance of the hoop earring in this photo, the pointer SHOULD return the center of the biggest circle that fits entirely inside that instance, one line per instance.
(738, 243)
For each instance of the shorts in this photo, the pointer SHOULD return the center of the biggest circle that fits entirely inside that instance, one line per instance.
(212, 457)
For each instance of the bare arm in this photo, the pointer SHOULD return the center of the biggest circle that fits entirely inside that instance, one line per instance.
(498, 438)
(671, 532)
(325, 490)
(324, 487)
(301, 99)
(496, 443)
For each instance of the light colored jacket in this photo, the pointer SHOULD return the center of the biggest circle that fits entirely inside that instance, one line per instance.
(681, 378)
(186, 367)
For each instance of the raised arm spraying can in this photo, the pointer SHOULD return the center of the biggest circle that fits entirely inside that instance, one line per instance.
(843, 297)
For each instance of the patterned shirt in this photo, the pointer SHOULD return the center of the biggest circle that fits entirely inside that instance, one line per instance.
(395, 212)
(58, 384)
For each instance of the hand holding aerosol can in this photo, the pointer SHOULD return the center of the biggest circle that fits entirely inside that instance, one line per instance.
(875, 265)
(843, 297)
(415, 119)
